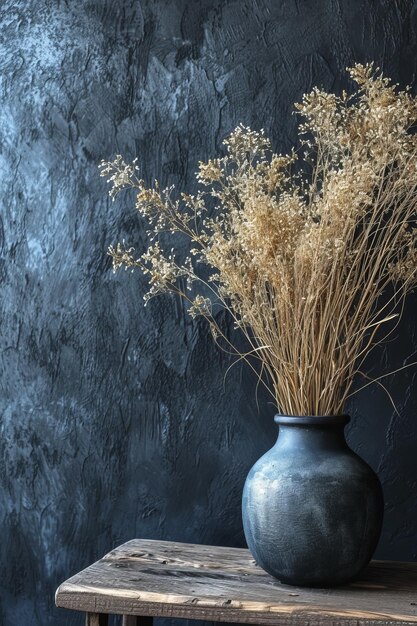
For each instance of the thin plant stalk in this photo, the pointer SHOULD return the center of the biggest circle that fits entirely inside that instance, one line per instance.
(313, 263)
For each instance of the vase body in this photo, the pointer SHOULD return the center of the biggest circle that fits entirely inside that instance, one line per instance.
(312, 509)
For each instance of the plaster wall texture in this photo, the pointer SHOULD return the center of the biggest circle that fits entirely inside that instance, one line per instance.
(115, 419)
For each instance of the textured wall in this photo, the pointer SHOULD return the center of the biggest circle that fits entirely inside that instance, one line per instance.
(115, 421)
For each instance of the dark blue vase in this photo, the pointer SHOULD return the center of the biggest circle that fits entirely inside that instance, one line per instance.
(312, 509)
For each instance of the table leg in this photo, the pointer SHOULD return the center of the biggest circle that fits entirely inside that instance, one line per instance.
(96, 619)
(135, 620)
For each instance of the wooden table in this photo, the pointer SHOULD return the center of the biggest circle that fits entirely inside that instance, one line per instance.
(144, 579)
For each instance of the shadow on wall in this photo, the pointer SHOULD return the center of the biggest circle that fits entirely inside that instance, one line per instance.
(387, 437)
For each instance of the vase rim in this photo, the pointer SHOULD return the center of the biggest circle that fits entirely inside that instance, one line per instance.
(311, 420)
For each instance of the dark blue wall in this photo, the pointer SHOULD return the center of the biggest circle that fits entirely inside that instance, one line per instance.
(115, 420)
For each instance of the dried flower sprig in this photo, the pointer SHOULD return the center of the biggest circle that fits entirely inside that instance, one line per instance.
(312, 261)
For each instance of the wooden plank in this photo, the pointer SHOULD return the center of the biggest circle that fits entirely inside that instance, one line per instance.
(96, 619)
(157, 578)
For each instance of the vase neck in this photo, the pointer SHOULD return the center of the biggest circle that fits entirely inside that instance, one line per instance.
(308, 436)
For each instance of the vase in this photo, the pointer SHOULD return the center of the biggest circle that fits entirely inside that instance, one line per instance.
(312, 508)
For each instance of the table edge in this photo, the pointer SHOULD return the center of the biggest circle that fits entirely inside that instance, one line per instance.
(89, 600)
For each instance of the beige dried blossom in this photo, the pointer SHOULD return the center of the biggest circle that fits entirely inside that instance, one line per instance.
(299, 256)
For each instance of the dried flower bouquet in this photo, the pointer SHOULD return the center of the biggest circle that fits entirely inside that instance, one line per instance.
(311, 253)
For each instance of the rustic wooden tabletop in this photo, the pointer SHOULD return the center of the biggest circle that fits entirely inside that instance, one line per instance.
(161, 578)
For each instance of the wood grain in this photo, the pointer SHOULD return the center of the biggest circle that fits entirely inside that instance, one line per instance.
(157, 578)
